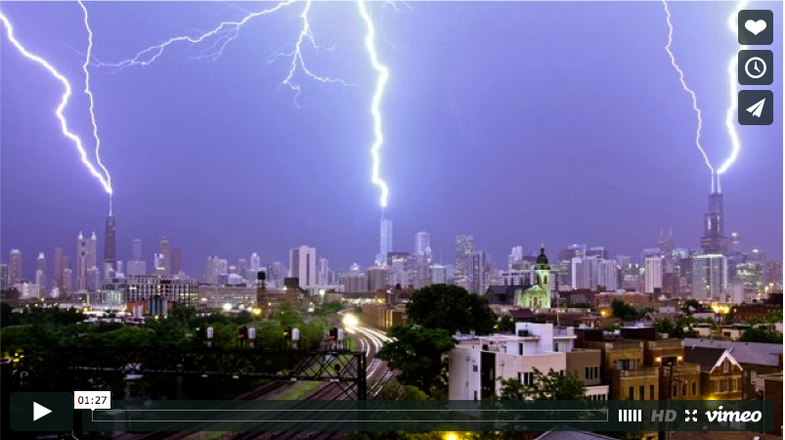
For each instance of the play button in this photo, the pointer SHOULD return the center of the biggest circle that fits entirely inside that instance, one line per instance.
(39, 411)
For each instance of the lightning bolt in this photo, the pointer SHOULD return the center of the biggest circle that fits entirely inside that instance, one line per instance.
(381, 81)
(89, 94)
(730, 119)
(227, 31)
(67, 92)
(687, 89)
(297, 56)
(224, 33)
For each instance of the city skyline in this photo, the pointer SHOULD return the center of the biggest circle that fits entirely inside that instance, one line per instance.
(495, 159)
(714, 241)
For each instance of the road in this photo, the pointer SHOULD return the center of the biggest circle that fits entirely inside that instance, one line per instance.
(370, 341)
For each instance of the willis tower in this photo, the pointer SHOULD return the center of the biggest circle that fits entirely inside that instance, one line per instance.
(714, 240)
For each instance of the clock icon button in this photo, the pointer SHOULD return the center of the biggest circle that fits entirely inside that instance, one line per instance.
(756, 71)
(756, 67)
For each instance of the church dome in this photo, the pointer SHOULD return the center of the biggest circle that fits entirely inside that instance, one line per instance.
(542, 259)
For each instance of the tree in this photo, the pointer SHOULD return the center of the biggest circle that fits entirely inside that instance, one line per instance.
(288, 316)
(692, 305)
(773, 318)
(182, 313)
(419, 354)
(393, 390)
(551, 386)
(664, 326)
(623, 311)
(328, 309)
(506, 324)
(761, 334)
(451, 308)
(677, 329)
(6, 314)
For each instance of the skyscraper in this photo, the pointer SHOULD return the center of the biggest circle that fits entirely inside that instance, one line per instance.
(477, 268)
(653, 274)
(82, 263)
(665, 243)
(734, 244)
(176, 261)
(275, 274)
(774, 274)
(163, 250)
(354, 281)
(385, 240)
(136, 266)
(464, 245)
(709, 276)
(59, 266)
(242, 267)
(323, 278)
(378, 277)
(438, 274)
(136, 249)
(566, 256)
(160, 264)
(256, 263)
(597, 251)
(40, 272)
(68, 280)
(216, 267)
(3, 277)
(110, 247)
(422, 257)
(608, 275)
(422, 244)
(714, 240)
(15, 267)
(302, 265)
(516, 254)
(92, 258)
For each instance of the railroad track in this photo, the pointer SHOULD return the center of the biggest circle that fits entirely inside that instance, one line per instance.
(175, 435)
(370, 341)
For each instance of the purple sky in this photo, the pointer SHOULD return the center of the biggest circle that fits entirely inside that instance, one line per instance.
(516, 122)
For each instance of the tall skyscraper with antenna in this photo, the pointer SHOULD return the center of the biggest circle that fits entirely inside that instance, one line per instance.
(82, 262)
(110, 247)
(385, 241)
(714, 240)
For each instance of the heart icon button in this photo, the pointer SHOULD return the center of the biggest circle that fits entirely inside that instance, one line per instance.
(755, 27)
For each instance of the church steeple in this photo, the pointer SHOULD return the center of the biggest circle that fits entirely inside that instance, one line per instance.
(542, 260)
(538, 296)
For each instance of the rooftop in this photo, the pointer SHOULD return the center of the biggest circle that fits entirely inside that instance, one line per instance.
(754, 353)
(707, 357)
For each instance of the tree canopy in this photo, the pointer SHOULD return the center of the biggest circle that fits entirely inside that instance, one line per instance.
(551, 386)
(624, 311)
(677, 329)
(451, 308)
(761, 334)
(419, 354)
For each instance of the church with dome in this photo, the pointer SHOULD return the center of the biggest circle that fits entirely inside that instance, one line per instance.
(538, 294)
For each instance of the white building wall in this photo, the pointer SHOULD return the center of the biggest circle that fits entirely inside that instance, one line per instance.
(515, 357)
(653, 273)
(464, 381)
